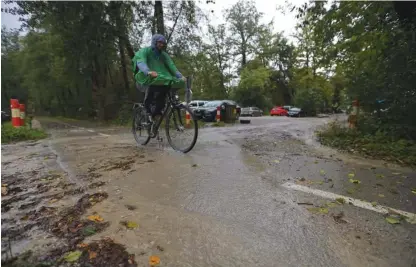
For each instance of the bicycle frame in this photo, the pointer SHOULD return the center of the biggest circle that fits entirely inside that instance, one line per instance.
(171, 102)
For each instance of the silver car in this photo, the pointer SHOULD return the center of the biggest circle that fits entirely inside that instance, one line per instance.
(197, 104)
(251, 112)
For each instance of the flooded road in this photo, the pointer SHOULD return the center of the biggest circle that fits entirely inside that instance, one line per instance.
(225, 203)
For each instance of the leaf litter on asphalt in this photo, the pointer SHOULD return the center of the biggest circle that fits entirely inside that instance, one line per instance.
(351, 175)
(355, 181)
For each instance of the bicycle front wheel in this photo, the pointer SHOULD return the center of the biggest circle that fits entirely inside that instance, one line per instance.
(181, 128)
(140, 127)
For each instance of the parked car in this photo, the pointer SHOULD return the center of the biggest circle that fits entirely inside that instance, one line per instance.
(197, 104)
(5, 117)
(238, 107)
(208, 112)
(278, 111)
(296, 112)
(251, 112)
(288, 107)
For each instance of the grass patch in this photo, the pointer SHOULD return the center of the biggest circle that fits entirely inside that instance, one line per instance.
(380, 145)
(11, 134)
(218, 124)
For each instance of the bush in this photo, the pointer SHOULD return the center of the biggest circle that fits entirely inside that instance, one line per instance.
(378, 145)
(11, 134)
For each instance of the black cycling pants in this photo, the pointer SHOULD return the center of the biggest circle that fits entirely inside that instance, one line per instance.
(155, 98)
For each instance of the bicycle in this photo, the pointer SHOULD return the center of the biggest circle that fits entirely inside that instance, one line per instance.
(172, 110)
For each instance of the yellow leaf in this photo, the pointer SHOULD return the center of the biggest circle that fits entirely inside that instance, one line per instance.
(322, 172)
(92, 254)
(131, 225)
(276, 161)
(154, 260)
(380, 195)
(95, 218)
(351, 175)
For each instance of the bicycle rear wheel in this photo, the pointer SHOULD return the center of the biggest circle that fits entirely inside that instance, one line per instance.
(140, 127)
(181, 134)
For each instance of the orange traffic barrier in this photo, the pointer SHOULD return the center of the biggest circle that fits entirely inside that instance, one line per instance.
(15, 107)
(187, 119)
(218, 116)
(22, 108)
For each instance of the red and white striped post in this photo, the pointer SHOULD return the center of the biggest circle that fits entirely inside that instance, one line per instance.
(352, 119)
(22, 108)
(187, 119)
(15, 107)
(218, 115)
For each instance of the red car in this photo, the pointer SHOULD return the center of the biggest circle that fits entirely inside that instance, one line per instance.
(278, 111)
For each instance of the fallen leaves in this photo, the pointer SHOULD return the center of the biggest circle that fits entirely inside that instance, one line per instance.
(392, 220)
(322, 172)
(380, 176)
(92, 254)
(82, 245)
(72, 256)
(95, 218)
(374, 203)
(340, 200)
(154, 260)
(129, 224)
(351, 175)
(4, 189)
(276, 161)
(355, 181)
(414, 190)
(318, 210)
(381, 195)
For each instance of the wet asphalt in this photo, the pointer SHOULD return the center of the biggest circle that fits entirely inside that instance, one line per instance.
(222, 204)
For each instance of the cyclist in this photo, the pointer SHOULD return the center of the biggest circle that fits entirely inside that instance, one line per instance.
(153, 71)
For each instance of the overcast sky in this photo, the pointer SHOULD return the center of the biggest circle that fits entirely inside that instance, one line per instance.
(282, 23)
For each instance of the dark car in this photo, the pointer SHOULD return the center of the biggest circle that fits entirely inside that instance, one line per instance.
(209, 111)
(5, 117)
(296, 112)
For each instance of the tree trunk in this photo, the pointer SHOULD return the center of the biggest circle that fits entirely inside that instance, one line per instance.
(123, 65)
(158, 21)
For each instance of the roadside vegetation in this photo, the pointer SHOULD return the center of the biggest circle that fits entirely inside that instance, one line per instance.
(10, 134)
(374, 144)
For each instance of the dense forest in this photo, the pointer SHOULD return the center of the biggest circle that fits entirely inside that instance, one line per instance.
(75, 59)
